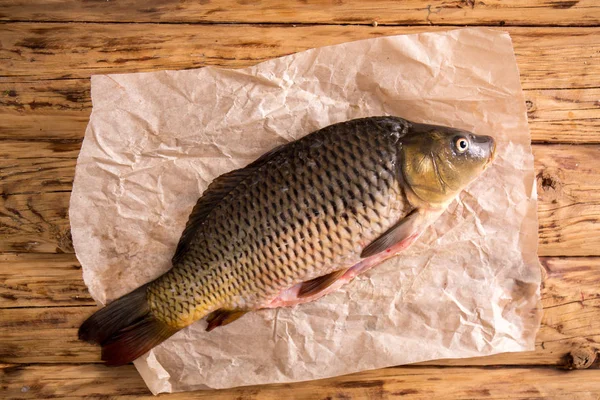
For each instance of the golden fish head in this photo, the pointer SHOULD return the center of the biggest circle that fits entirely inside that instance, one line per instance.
(438, 162)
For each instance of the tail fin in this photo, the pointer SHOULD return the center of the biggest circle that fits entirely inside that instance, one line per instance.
(125, 329)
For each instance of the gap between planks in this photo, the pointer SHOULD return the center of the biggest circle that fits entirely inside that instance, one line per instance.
(293, 24)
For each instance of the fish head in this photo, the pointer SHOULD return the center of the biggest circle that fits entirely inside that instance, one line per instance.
(438, 162)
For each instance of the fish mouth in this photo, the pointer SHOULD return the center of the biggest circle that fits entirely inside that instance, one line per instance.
(492, 150)
(487, 144)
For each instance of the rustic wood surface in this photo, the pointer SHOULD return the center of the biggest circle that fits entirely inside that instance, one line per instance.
(49, 49)
(390, 12)
(48, 301)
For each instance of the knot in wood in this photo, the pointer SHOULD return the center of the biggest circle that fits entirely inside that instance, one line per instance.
(580, 358)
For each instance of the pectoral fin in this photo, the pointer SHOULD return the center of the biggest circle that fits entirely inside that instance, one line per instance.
(314, 286)
(407, 229)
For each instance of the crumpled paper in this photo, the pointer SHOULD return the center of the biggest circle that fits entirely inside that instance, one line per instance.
(469, 287)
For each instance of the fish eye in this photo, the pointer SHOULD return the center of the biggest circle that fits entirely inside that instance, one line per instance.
(462, 144)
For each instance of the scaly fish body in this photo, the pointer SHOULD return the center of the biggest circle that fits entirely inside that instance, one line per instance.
(296, 224)
(295, 218)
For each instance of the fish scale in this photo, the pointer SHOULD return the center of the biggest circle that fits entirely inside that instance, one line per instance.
(296, 224)
(293, 220)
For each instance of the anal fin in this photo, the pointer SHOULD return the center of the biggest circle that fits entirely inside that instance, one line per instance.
(314, 286)
(223, 317)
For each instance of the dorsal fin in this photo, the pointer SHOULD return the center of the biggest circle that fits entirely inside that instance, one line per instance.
(216, 191)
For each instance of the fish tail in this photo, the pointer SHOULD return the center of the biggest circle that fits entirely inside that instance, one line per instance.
(125, 328)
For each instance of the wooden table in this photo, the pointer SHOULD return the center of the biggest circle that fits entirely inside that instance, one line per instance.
(48, 51)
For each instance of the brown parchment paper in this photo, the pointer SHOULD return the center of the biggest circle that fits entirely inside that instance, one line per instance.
(469, 287)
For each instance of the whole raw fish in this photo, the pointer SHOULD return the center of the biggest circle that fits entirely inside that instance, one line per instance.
(296, 224)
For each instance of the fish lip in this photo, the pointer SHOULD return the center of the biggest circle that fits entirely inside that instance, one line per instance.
(492, 156)
(490, 143)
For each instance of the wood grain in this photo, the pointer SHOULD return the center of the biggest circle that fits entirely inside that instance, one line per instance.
(47, 54)
(44, 280)
(43, 109)
(34, 216)
(564, 116)
(548, 58)
(41, 280)
(406, 12)
(35, 149)
(49, 334)
(35, 166)
(95, 381)
(35, 223)
(37, 174)
(566, 175)
(59, 110)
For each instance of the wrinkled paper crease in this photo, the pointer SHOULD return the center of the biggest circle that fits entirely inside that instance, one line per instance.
(469, 287)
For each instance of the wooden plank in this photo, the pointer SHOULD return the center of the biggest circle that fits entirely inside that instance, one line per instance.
(564, 116)
(569, 280)
(571, 320)
(37, 166)
(59, 110)
(50, 336)
(35, 223)
(44, 109)
(569, 199)
(548, 58)
(42, 280)
(95, 381)
(37, 149)
(406, 12)
(33, 174)
(33, 217)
